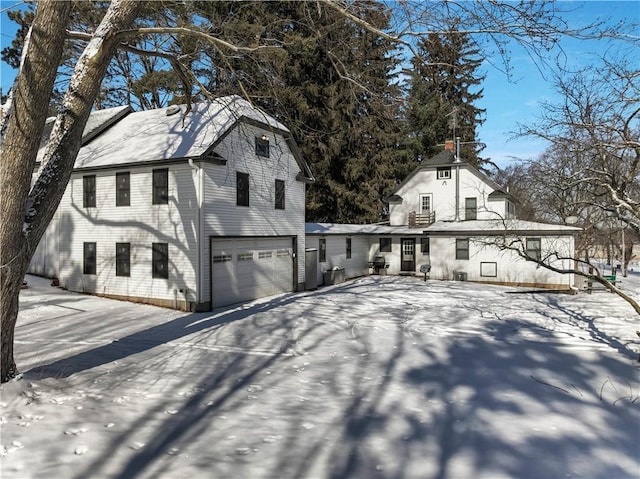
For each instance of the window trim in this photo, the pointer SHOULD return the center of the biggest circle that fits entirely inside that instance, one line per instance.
(387, 247)
(160, 257)
(89, 258)
(322, 250)
(443, 173)
(279, 194)
(89, 191)
(488, 269)
(462, 248)
(262, 146)
(537, 252)
(425, 240)
(123, 264)
(242, 189)
(158, 198)
(470, 212)
(123, 191)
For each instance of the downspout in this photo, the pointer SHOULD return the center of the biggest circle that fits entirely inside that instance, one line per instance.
(199, 190)
(457, 161)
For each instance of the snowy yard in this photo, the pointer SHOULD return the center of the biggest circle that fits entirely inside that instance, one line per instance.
(381, 377)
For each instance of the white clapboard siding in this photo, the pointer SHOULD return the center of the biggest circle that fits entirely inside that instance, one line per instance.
(140, 224)
(221, 217)
(509, 267)
(443, 192)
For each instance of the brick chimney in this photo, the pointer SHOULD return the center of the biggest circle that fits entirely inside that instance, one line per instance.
(449, 145)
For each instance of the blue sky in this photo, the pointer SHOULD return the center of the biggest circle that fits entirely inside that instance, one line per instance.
(507, 100)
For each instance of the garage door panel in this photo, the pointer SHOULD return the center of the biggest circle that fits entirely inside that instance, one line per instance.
(248, 268)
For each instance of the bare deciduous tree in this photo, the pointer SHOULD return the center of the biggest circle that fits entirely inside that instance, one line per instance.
(28, 209)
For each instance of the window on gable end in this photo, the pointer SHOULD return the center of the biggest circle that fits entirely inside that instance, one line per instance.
(443, 173)
(262, 146)
(470, 209)
(242, 189)
(279, 195)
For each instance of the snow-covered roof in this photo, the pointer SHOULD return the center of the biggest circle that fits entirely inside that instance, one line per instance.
(499, 226)
(154, 135)
(362, 229)
(97, 122)
(478, 227)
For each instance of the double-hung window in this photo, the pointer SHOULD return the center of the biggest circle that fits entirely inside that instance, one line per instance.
(279, 195)
(89, 264)
(534, 248)
(462, 248)
(89, 191)
(123, 197)
(161, 186)
(160, 260)
(470, 209)
(123, 259)
(242, 189)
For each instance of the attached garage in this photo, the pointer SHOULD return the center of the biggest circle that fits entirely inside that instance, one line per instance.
(243, 269)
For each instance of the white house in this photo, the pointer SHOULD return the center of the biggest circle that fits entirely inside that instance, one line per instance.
(187, 209)
(448, 215)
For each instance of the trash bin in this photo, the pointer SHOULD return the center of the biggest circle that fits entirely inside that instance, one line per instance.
(333, 276)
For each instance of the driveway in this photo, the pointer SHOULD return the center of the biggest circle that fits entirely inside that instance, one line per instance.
(380, 377)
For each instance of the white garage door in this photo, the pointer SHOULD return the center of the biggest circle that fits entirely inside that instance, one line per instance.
(250, 268)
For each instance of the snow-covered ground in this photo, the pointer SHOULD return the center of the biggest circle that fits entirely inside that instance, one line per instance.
(381, 377)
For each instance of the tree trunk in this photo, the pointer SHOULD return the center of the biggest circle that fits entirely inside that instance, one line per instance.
(29, 219)
(21, 132)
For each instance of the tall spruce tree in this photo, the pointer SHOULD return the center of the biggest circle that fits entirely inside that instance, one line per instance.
(444, 86)
(346, 124)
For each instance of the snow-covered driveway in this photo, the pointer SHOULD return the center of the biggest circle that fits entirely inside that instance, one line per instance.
(381, 377)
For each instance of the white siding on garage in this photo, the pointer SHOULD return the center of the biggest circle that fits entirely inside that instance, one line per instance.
(139, 224)
(337, 255)
(223, 218)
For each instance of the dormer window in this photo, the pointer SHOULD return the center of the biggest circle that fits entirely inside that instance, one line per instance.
(443, 173)
(262, 146)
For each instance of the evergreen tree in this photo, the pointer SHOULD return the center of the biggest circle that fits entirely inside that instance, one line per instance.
(444, 85)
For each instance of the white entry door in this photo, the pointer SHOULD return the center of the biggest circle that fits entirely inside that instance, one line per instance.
(248, 268)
